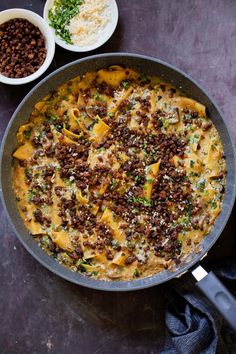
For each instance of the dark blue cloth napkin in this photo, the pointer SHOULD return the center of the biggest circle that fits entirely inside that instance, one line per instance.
(194, 325)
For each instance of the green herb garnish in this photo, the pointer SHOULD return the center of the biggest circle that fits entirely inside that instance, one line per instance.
(144, 78)
(136, 273)
(61, 14)
(186, 221)
(125, 84)
(98, 97)
(68, 182)
(113, 183)
(149, 180)
(166, 123)
(31, 194)
(213, 204)
(201, 185)
(53, 118)
(192, 163)
(28, 133)
(141, 200)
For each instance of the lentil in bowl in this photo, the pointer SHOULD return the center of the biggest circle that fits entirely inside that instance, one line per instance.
(27, 46)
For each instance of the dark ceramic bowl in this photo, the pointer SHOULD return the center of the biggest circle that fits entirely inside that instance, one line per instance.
(150, 66)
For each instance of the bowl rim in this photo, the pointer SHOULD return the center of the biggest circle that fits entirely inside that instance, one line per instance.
(155, 279)
(97, 44)
(44, 28)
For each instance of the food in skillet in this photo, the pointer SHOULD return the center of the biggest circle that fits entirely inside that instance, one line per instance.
(118, 175)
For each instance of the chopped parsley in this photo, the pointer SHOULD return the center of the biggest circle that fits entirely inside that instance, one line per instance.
(136, 273)
(98, 97)
(149, 180)
(186, 221)
(213, 204)
(201, 185)
(141, 200)
(144, 78)
(53, 118)
(125, 84)
(28, 133)
(193, 174)
(61, 14)
(114, 244)
(187, 116)
(68, 182)
(31, 194)
(191, 163)
(113, 183)
(194, 139)
(137, 178)
(166, 123)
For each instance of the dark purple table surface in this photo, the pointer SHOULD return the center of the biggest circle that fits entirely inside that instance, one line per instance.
(41, 313)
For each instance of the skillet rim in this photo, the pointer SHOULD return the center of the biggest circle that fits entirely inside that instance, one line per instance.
(130, 285)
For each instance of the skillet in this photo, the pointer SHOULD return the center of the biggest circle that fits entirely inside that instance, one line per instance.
(208, 283)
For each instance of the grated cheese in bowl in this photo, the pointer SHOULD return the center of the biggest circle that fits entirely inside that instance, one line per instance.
(89, 23)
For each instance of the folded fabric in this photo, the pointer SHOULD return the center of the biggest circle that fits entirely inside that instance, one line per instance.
(194, 325)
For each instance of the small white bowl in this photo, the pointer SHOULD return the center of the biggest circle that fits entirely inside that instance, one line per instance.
(105, 35)
(49, 42)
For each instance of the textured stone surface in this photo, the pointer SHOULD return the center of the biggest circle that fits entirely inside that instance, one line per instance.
(41, 313)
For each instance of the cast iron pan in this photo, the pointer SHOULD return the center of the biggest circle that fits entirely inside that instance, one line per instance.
(209, 284)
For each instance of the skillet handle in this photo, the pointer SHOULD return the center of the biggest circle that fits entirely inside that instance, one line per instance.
(217, 293)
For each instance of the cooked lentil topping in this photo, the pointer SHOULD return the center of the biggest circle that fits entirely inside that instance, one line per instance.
(118, 175)
(22, 48)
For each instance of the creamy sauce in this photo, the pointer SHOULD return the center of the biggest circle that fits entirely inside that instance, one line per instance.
(118, 175)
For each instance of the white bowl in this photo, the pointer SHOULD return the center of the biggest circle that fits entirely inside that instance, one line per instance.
(49, 42)
(105, 35)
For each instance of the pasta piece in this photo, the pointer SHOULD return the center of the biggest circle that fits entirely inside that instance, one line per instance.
(193, 163)
(67, 140)
(94, 209)
(124, 95)
(112, 78)
(212, 161)
(115, 75)
(58, 180)
(151, 173)
(71, 135)
(62, 240)
(119, 258)
(35, 228)
(73, 114)
(100, 257)
(20, 136)
(19, 182)
(102, 189)
(24, 152)
(82, 200)
(100, 130)
(86, 81)
(107, 218)
(36, 120)
(91, 254)
(189, 103)
(56, 219)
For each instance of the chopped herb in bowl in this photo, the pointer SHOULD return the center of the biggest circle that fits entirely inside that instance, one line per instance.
(61, 14)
